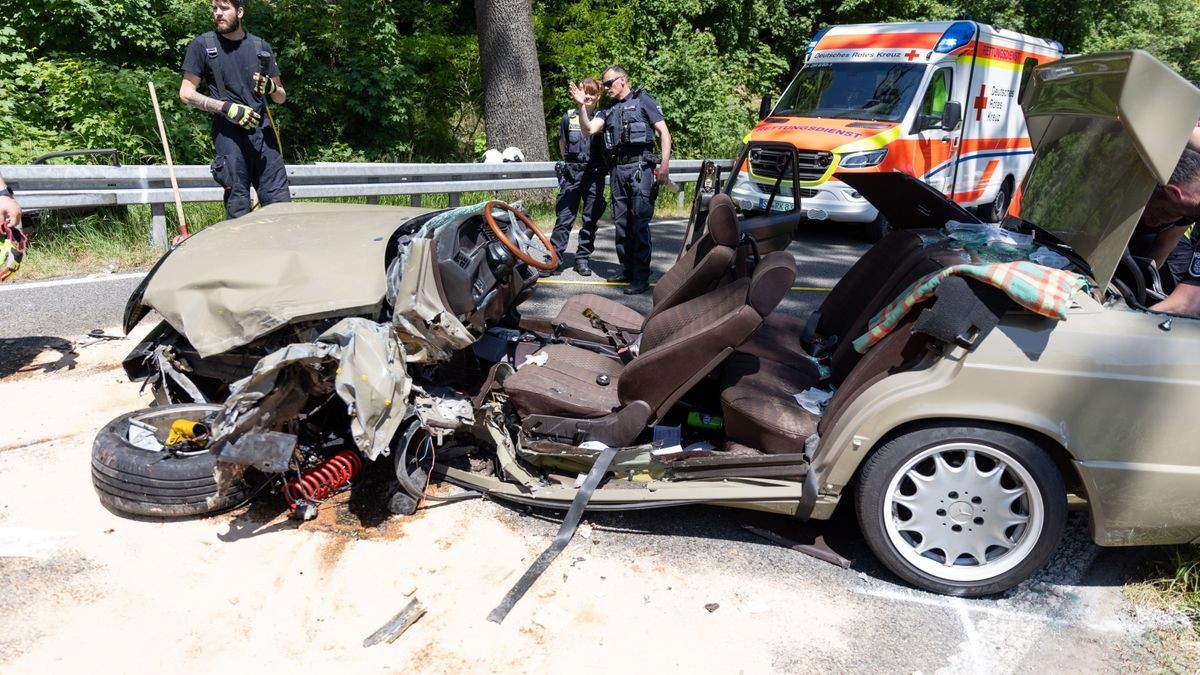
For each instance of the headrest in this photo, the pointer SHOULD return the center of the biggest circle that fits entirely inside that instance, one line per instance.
(722, 221)
(772, 279)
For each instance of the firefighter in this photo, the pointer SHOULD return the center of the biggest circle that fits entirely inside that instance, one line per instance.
(580, 179)
(629, 123)
(241, 73)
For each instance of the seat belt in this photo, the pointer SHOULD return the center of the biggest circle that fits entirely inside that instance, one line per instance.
(809, 334)
(614, 334)
(565, 532)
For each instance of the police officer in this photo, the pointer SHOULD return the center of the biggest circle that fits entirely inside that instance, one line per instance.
(628, 124)
(241, 72)
(580, 178)
(1169, 212)
(1178, 203)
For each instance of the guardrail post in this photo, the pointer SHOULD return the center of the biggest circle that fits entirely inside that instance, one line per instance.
(455, 199)
(158, 226)
(416, 200)
(372, 199)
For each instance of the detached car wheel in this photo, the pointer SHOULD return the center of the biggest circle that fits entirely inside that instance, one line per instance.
(130, 480)
(963, 511)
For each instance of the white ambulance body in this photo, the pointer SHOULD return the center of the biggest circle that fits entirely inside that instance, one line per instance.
(874, 97)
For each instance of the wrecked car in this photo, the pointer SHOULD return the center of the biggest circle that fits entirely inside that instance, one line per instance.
(960, 384)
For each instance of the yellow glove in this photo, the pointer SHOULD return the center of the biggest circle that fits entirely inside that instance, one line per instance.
(241, 115)
(264, 85)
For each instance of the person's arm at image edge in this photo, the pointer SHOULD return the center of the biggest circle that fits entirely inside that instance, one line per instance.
(1185, 299)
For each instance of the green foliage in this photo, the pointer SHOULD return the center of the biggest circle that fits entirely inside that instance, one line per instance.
(707, 79)
(398, 80)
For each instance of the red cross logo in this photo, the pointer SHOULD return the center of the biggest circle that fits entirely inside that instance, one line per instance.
(912, 55)
(980, 102)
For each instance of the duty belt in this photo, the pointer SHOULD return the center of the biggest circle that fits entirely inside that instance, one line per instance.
(631, 158)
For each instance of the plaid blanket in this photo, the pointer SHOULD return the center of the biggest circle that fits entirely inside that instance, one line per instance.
(1042, 290)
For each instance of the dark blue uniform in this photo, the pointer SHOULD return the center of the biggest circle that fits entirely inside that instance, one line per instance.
(629, 140)
(583, 171)
(1184, 261)
(242, 158)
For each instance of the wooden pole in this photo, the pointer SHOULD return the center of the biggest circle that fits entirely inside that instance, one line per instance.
(162, 133)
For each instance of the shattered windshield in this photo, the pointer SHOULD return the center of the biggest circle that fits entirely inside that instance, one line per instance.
(861, 91)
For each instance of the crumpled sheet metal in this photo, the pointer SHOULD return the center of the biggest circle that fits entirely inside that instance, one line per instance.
(238, 280)
(371, 378)
(429, 331)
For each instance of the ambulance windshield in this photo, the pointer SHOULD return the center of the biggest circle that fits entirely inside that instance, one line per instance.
(859, 90)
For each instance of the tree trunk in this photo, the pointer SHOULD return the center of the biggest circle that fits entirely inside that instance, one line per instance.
(512, 79)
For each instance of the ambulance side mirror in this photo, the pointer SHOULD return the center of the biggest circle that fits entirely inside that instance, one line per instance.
(764, 107)
(951, 115)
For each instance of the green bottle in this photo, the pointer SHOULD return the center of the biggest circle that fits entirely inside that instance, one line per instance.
(702, 421)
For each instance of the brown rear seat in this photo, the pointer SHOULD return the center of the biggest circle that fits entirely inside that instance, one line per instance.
(759, 383)
(782, 337)
(758, 395)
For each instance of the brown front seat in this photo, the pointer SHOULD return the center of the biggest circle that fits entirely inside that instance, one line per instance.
(579, 395)
(697, 271)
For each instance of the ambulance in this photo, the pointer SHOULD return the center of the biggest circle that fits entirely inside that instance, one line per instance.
(935, 100)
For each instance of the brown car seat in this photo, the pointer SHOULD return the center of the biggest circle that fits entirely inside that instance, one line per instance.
(698, 270)
(579, 395)
(759, 383)
(787, 339)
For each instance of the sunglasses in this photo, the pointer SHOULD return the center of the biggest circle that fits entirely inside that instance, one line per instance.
(610, 83)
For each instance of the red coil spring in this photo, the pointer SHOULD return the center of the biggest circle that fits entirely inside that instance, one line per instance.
(320, 481)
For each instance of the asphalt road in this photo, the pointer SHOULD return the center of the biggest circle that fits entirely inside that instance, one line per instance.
(1070, 617)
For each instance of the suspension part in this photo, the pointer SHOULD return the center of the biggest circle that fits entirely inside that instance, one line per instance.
(320, 481)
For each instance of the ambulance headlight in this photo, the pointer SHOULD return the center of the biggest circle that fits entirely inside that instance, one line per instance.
(861, 160)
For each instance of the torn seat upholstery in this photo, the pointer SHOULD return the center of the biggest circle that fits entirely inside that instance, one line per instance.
(578, 395)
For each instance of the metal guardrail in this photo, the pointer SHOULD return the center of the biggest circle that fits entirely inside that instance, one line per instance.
(77, 186)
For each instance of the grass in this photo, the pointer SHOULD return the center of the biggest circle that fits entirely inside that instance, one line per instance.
(118, 239)
(1172, 582)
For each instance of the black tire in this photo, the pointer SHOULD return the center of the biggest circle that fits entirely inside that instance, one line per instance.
(137, 482)
(995, 210)
(949, 513)
(877, 229)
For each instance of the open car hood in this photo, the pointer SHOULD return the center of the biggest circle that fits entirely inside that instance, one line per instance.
(1106, 129)
(238, 280)
(905, 201)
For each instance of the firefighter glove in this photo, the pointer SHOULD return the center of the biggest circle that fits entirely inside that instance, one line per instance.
(241, 115)
(264, 85)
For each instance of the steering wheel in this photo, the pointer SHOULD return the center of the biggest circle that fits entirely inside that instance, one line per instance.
(524, 257)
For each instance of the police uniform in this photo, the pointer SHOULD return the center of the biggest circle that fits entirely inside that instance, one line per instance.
(1184, 261)
(581, 178)
(629, 140)
(242, 157)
